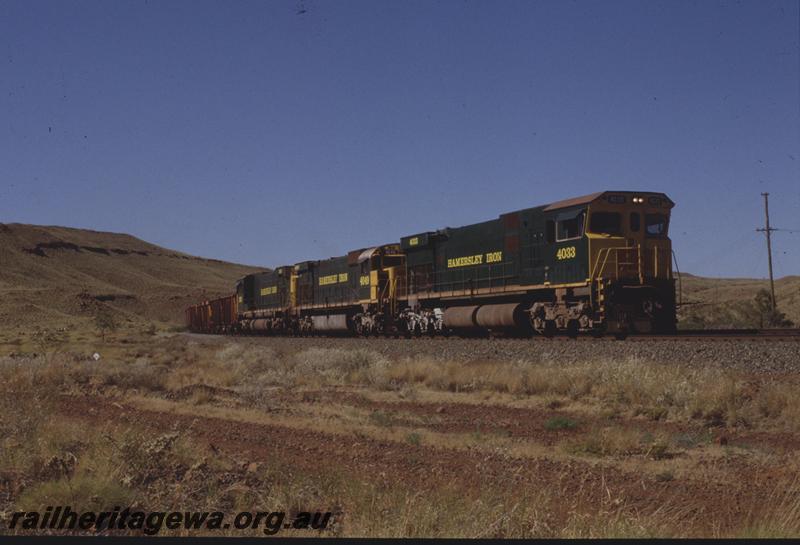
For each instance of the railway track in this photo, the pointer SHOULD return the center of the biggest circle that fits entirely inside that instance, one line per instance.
(784, 334)
(684, 335)
(722, 335)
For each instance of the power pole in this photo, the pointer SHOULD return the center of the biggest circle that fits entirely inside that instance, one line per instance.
(768, 230)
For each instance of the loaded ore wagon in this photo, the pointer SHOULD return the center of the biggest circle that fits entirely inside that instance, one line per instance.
(214, 316)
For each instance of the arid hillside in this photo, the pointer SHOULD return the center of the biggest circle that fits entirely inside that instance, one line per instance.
(54, 276)
(730, 302)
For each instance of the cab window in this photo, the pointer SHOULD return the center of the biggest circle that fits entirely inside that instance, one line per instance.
(392, 260)
(608, 223)
(655, 225)
(570, 227)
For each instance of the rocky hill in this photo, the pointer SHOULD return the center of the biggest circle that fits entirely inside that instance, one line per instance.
(730, 302)
(54, 276)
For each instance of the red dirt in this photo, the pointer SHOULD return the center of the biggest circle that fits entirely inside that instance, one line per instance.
(428, 468)
(530, 423)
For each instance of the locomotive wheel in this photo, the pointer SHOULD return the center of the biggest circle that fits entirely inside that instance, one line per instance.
(572, 329)
(549, 330)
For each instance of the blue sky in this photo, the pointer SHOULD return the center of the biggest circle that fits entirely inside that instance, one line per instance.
(269, 132)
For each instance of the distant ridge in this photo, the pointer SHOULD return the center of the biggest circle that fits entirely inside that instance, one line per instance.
(729, 302)
(53, 276)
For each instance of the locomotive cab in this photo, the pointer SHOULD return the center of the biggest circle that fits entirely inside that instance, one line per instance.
(630, 261)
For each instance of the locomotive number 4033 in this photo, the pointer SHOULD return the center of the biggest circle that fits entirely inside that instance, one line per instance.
(567, 252)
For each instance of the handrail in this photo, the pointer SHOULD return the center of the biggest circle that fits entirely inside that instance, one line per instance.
(680, 279)
(604, 253)
(639, 265)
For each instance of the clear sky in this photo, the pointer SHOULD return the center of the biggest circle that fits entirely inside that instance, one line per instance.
(269, 132)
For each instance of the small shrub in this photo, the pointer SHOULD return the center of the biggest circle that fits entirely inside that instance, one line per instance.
(691, 440)
(380, 418)
(82, 493)
(105, 322)
(659, 451)
(665, 476)
(359, 366)
(138, 374)
(608, 442)
(478, 436)
(560, 423)
(653, 413)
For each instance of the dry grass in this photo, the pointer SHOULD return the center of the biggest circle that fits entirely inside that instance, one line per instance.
(719, 397)
(61, 462)
(710, 395)
(779, 517)
(618, 441)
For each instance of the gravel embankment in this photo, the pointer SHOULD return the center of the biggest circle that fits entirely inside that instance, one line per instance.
(762, 356)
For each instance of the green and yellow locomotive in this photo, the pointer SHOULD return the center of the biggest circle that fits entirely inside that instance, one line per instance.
(598, 263)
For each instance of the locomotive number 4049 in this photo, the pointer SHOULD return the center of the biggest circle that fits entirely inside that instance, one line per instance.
(565, 253)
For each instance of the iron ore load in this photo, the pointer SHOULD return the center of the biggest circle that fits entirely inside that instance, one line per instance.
(600, 263)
